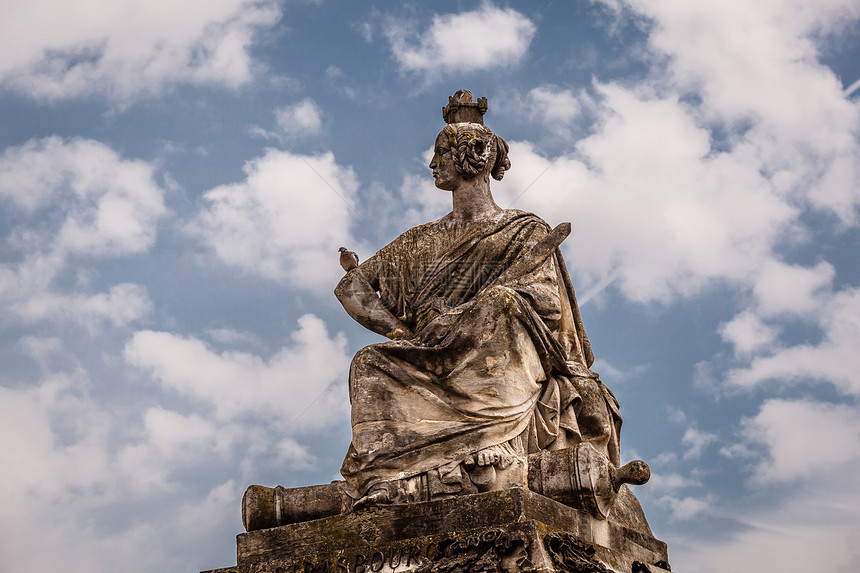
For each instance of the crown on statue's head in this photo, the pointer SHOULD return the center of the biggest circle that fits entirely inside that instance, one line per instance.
(461, 109)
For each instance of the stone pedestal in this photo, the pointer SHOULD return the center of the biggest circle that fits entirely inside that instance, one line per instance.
(508, 531)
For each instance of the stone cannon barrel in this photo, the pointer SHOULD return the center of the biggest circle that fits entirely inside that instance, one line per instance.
(583, 478)
(265, 507)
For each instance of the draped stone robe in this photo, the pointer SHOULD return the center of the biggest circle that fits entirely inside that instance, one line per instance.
(495, 360)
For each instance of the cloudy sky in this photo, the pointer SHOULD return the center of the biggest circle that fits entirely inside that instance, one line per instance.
(176, 178)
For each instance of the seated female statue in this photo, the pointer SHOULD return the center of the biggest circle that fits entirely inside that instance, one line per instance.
(487, 360)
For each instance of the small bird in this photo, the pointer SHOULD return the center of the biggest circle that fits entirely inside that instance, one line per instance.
(348, 259)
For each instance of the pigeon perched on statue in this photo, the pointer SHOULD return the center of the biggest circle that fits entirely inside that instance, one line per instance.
(348, 259)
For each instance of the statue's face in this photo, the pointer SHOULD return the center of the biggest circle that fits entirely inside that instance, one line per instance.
(444, 171)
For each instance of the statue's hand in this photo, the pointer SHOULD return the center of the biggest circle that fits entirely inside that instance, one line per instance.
(362, 302)
(399, 333)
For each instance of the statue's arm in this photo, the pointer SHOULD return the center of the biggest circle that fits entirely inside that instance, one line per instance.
(362, 303)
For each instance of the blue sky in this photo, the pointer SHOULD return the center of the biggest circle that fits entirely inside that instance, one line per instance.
(176, 178)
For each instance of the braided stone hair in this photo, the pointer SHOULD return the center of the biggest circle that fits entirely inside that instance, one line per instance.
(476, 150)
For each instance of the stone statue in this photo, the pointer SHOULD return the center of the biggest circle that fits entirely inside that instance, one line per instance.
(485, 383)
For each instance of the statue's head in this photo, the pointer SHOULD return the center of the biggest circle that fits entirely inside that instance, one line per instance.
(466, 148)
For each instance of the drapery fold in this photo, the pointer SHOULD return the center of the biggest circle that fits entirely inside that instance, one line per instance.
(495, 359)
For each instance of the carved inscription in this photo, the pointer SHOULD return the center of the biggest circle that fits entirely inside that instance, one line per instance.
(570, 555)
(495, 550)
(397, 559)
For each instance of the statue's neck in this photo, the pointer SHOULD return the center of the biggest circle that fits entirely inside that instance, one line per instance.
(473, 201)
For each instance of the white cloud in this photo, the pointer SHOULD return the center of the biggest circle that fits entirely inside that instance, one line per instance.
(553, 105)
(301, 119)
(481, 39)
(42, 349)
(810, 463)
(759, 64)
(27, 291)
(669, 482)
(67, 470)
(814, 530)
(174, 433)
(218, 507)
(614, 374)
(124, 50)
(804, 294)
(662, 211)
(339, 81)
(656, 208)
(684, 508)
(121, 305)
(294, 455)
(696, 442)
(755, 60)
(71, 471)
(285, 221)
(834, 359)
(75, 197)
(301, 384)
(555, 109)
(837, 188)
(33, 415)
(792, 289)
(747, 333)
(676, 415)
(231, 336)
(110, 204)
(802, 439)
(84, 467)
(424, 200)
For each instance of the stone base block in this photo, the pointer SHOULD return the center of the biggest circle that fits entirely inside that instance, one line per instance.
(509, 531)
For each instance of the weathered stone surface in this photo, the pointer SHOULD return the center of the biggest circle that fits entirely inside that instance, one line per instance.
(488, 360)
(265, 507)
(583, 478)
(414, 528)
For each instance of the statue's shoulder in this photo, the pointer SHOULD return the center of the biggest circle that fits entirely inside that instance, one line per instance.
(414, 237)
(525, 217)
(516, 213)
(411, 239)
(422, 230)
